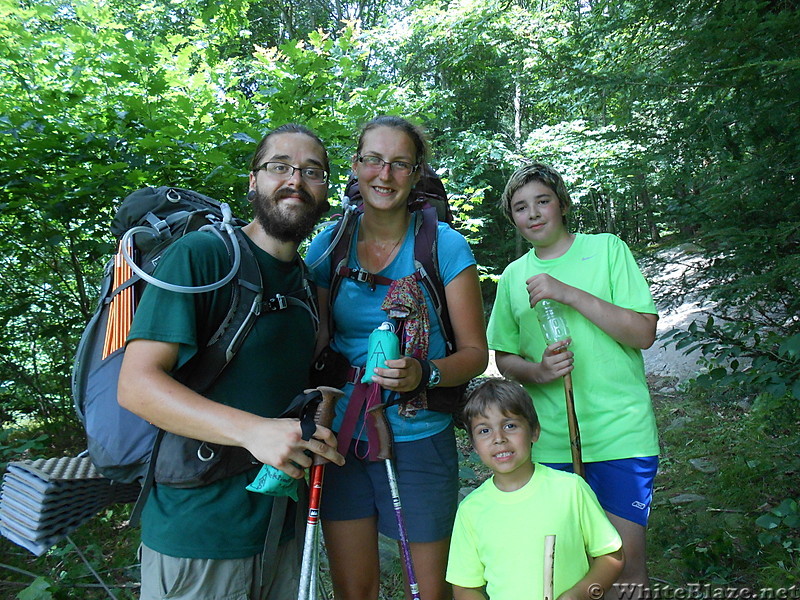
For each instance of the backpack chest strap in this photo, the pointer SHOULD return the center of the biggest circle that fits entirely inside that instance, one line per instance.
(363, 276)
(303, 298)
(282, 301)
(371, 279)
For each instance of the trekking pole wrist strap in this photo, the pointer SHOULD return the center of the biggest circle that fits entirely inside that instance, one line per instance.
(423, 381)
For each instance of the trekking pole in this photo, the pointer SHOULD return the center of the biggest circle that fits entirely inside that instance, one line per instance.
(549, 563)
(310, 564)
(554, 329)
(378, 414)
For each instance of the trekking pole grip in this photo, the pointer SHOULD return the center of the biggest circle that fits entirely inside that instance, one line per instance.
(326, 410)
(378, 415)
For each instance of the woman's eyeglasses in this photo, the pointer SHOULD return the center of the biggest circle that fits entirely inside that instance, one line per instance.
(398, 167)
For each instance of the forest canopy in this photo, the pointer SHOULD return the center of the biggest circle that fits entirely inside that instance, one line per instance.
(673, 123)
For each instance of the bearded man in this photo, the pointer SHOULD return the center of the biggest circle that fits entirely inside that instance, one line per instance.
(208, 543)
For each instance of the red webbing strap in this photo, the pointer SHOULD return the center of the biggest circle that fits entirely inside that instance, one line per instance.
(364, 397)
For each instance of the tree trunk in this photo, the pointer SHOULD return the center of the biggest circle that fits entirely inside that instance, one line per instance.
(647, 210)
(517, 117)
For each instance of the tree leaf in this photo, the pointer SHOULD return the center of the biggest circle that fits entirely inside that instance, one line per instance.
(39, 589)
(768, 521)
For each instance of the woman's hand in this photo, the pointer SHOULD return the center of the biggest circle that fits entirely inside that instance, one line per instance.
(400, 375)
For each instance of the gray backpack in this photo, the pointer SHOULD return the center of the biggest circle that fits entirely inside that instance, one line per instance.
(123, 446)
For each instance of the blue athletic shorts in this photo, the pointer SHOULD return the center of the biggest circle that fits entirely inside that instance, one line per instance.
(624, 487)
(427, 480)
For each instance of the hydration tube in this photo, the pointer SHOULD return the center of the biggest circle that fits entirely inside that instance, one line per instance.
(227, 217)
(348, 209)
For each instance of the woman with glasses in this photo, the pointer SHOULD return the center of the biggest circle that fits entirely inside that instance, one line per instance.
(356, 501)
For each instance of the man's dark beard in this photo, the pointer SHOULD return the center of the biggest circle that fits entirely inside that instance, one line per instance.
(287, 226)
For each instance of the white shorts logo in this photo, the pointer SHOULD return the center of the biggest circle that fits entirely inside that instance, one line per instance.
(638, 505)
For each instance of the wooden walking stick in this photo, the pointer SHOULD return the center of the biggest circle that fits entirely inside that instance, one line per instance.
(310, 564)
(554, 329)
(549, 564)
(574, 430)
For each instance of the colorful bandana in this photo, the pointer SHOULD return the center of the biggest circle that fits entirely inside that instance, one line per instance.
(405, 303)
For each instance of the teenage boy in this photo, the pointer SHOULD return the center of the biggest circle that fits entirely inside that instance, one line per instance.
(500, 528)
(208, 543)
(611, 316)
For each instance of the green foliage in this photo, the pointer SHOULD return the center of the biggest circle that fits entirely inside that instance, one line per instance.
(15, 443)
(781, 524)
(39, 589)
(99, 555)
(471, 471)
(780, 539)
(669, 120)
(708, 559)
(69, 153)
(740, 353)
(90, 112)
(663, 118)
(716, 537)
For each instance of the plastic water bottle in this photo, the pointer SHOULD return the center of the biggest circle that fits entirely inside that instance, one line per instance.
(383, 346)
(554, 326)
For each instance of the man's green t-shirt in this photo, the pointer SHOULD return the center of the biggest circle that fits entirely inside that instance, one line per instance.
(612, 400)
(223, 520)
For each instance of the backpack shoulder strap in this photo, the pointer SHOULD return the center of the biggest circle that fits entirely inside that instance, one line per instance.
(426, 259)
(340, 255)
(247, 303)
(426, 262)
(305, 298)
(246, 300)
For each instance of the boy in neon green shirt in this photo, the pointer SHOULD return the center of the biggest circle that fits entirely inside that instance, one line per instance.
(611, 316)
(500, 528)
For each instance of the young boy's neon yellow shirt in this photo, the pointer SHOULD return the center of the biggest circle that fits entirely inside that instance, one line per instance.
(498, 539)
(612, 401)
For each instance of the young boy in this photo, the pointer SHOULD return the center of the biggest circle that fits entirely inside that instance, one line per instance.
(611, 316)
(500, 528)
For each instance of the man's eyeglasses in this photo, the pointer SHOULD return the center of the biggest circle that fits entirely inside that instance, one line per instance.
(398, 167)
(281, 170)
